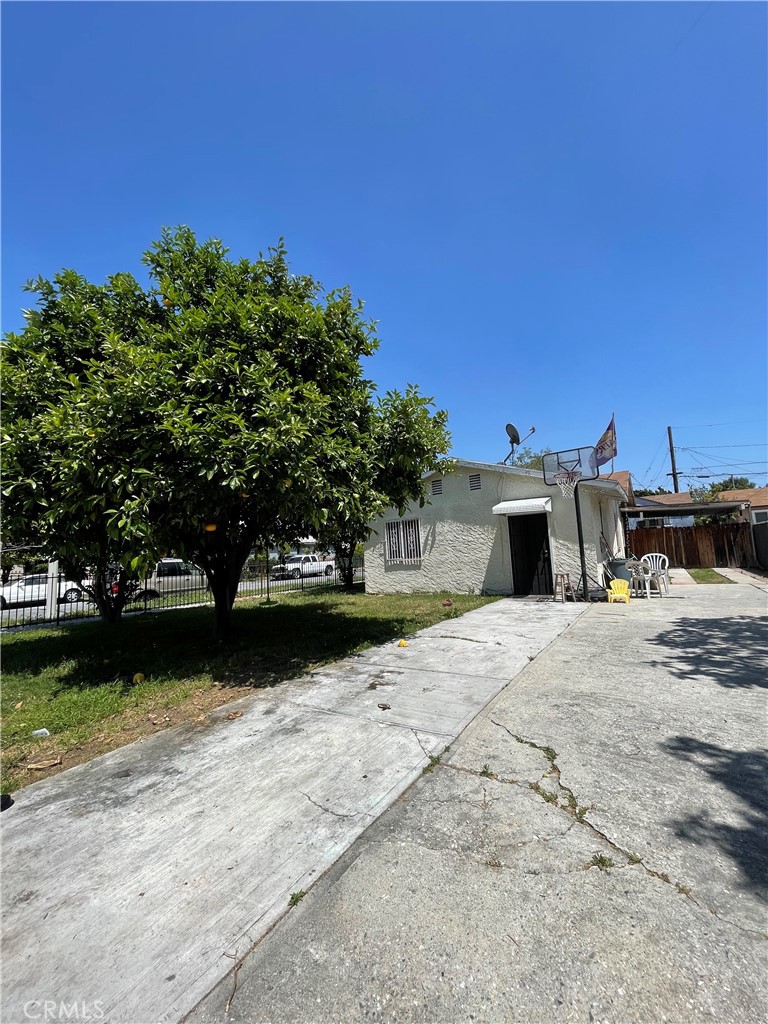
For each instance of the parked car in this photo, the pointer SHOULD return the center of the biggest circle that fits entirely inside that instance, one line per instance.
(33, 590)
(170, 576)
(303, 565)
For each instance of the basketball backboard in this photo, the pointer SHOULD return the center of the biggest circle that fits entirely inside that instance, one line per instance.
(573, 460)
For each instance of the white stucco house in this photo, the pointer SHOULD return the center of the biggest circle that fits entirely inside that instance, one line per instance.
(493, 529)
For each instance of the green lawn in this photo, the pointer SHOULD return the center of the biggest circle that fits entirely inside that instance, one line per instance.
(77, 681)
(708, 576)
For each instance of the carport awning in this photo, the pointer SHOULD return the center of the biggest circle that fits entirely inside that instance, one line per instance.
(522, 507)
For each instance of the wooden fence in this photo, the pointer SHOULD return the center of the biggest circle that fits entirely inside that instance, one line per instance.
(726, 544)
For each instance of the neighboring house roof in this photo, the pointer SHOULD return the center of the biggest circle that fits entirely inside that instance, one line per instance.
(756, 496)
(603, 483)
(686, 509)
(683, 498)
(624, 479)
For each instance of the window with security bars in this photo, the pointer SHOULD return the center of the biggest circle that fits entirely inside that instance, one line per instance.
(404, 542)
(437, 486)
(474, 481)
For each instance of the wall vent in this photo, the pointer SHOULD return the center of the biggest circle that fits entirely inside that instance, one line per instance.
(474, 481)
(437, 486)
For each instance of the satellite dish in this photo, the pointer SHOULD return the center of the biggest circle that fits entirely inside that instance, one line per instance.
(512, 434)
(514, 439)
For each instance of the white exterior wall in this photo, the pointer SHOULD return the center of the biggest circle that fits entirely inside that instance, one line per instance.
(607, 519)
(465, 547)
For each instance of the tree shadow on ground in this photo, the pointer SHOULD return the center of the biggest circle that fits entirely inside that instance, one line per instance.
(268, 644)
(743, 773)
(731, 651)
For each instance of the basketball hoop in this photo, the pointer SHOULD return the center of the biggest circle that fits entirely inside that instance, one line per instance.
(565, 470)
(566, 480)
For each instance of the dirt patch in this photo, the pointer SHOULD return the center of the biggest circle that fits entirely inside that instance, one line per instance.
(119, 730)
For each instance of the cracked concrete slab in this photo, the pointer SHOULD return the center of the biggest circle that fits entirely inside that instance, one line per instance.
(133, 880)
(592, 848)
(499, 945)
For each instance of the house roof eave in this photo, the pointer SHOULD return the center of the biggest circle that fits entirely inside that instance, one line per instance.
(534, 474)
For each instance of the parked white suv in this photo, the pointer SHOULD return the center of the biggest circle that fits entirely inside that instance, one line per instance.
(170, 576)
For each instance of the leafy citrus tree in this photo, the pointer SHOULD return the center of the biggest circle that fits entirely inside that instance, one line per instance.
(78, 457)
(406, 439)
(266, 403)
(221, 409)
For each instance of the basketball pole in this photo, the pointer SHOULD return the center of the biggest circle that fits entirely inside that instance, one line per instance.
(580, 532)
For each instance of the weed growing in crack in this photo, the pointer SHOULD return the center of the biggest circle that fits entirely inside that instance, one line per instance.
(601, 862)
(486, 772)
(663, 876)
(434, 760)
(296, 898)
(551, 798)
(581, 813)
(548, 752)
(684, 889)
(571, 799)
(495, 863)
(634, 858)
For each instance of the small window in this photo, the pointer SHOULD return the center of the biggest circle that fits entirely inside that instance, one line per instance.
(403, 543)
(474, 481)
(437, 486)
(760, 517)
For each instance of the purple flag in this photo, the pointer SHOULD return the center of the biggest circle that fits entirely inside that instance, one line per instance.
(605, 449)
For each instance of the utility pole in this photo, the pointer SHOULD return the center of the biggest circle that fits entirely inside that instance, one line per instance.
(674, 474)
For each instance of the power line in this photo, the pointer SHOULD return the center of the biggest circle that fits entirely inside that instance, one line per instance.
(710, 447)
(722, 471)
(655, 455)
(732, 423)
(660, 451)
(723, 462)
(730, 462)
(718, 476)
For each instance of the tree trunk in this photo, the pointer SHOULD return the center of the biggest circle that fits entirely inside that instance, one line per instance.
(110, 592)
(223, 563)
(345, 553)
(223, 600)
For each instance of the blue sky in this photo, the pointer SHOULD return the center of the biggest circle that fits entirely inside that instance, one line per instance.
(554, 210)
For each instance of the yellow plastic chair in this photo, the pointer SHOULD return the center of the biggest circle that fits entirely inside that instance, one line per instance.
(618, 591)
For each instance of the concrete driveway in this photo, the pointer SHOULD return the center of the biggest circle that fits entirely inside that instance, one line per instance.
(593, 848)
(132, 884)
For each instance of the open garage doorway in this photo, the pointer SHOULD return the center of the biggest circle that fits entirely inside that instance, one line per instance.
(531, 557)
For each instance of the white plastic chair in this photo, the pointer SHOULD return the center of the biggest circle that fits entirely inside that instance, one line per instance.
(659, 565)
(642, 574)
